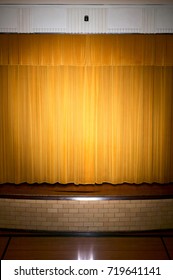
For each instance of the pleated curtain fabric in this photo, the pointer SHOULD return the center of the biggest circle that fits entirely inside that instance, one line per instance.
(86, 109)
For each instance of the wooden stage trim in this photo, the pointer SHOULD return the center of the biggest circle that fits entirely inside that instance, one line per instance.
(104, 191)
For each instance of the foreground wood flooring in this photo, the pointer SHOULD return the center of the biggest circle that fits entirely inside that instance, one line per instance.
(79, 247)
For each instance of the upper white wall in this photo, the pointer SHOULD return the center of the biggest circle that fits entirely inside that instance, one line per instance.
(102, 18)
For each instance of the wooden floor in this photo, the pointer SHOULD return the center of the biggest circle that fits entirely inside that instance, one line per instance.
(132, 247)
(71, 191)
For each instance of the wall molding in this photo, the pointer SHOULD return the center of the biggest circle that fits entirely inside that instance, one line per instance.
(148, 19)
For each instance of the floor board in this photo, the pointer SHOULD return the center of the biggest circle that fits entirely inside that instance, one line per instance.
(3, 244)
(105, 255)
(70, 191)
(69, 248)
(169, 245)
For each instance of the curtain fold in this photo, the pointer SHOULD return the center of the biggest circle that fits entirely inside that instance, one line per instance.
(86, 108)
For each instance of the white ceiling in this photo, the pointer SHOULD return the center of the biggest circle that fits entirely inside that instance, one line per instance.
(86, 2)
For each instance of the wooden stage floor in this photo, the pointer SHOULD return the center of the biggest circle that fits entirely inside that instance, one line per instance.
(71, 191)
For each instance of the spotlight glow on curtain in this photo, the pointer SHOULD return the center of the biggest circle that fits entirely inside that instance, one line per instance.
(86, 108)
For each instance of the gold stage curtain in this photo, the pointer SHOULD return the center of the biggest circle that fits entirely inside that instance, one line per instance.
(86, 108)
